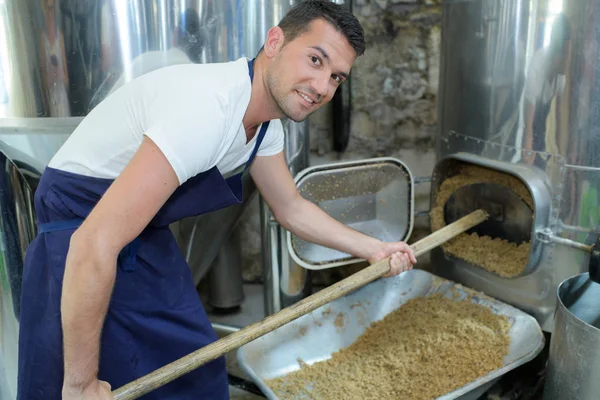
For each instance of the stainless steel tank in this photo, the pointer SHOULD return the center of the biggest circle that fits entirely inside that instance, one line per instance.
(60, 58)
(519, 93)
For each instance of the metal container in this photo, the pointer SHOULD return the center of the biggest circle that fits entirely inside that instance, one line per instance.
(574, 360)
(517, 86)
(374, 196)
(315, 336)
(536, 183)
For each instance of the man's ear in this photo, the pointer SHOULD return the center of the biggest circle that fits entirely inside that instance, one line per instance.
(273, 42)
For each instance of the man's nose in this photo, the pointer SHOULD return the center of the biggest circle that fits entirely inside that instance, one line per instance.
(321, 85)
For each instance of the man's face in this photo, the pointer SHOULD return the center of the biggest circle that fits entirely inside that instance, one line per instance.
(305, 73)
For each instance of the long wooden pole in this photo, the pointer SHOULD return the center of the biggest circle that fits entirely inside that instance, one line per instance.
(182, 366)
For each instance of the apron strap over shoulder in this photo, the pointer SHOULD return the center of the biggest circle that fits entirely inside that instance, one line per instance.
(264, 126)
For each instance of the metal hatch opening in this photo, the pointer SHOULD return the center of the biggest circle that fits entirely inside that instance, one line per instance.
(502, 244)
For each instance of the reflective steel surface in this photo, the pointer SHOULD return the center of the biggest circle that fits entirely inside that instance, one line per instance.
(72, 53)
(373, 196)
(519, 83)
(574, 360)
(535, 182)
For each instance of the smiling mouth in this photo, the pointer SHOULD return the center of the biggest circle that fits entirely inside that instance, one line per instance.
(305, 98)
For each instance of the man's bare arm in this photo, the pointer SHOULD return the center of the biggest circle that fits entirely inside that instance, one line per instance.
(308, 221)
(124, 211)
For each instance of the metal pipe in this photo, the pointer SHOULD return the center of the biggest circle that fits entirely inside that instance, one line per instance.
(547, 237)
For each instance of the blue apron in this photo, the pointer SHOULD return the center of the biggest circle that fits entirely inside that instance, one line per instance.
(155, 315)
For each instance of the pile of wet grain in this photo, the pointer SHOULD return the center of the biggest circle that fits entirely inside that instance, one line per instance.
(428, 347)
(496, 255)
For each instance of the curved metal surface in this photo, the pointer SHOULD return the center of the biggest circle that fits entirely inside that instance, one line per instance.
(373, 196)
(519, 84)
(535, 183)
(315, 336)
(574, 360)
(74, 52)
(17, 229)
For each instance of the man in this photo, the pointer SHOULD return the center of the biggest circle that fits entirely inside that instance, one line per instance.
(171, 144)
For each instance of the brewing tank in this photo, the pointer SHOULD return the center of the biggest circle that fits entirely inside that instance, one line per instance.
(519, 94)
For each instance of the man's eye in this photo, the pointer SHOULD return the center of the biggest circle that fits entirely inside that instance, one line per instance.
(315, 59)
(336, 78)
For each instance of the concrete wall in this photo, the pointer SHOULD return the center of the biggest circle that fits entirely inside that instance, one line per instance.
(394, 91)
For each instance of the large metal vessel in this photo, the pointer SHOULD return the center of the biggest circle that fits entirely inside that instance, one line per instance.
(59, 59)
(519, 94)
(573, 362)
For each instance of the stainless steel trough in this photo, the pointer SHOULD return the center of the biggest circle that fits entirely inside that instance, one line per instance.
(315, 336)
(373, 196)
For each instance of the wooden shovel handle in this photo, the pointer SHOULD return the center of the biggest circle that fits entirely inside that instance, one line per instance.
(247, 334)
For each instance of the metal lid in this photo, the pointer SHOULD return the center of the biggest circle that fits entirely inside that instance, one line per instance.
(374, 196)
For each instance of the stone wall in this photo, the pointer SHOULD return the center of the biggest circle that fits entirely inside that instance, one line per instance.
(394, 88)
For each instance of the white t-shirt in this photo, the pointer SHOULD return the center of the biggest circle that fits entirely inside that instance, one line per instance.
(193, 112)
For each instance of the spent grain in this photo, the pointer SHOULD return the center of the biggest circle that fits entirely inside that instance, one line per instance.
(426, 348)
(496, 255)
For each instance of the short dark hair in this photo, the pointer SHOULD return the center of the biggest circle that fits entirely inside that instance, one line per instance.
(298, 19)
